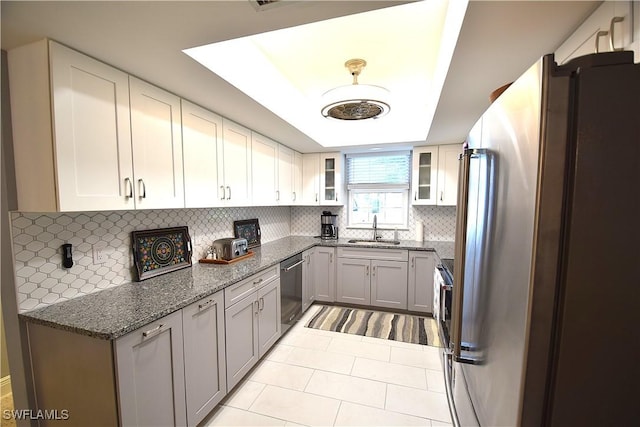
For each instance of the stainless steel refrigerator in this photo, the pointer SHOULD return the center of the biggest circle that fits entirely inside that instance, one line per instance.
(546, 293)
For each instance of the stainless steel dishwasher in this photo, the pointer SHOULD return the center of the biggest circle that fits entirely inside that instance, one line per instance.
(291, 291)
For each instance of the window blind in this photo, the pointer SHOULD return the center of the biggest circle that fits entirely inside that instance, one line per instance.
(380, 168)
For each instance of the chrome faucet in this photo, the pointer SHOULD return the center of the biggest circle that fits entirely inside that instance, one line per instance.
(375, 228)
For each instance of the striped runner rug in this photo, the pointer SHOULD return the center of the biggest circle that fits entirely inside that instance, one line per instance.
(377, 324)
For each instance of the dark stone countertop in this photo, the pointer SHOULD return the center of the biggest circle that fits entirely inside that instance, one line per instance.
(114, 312)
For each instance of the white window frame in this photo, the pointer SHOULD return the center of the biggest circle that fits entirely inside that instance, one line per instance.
(404, 189)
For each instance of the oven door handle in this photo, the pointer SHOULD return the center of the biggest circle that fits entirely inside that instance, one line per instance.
(291, 267)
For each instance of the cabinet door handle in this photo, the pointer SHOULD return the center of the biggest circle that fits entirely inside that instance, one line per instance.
(336, 196)
(413, 262)
(127, 184)
(229, 191)
(256, 307)
(374, 270)
(415, 195)
(331, 257)
(208, 304)
(294, 196)
(367, 273)
(598, 35)
(261, 304)
(441, 195)
(224, 194)
(152, 332)
(277, 195)
(142, 188)
(614, 20)
(316, 197)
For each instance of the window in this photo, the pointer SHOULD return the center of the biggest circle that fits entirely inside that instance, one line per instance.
(378, 184)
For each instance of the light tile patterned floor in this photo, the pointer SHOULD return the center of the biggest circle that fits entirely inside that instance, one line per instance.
(321, 378)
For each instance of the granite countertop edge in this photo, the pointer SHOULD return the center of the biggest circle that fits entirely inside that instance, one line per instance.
(114, 312)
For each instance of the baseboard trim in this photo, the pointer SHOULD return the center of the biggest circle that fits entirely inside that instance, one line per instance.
(5, 385)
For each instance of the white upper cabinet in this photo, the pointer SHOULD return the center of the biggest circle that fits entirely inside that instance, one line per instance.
(434, 178)
(310, 179)
(297, 178)
(73, 153)
(264, 158)
(236, 182)
(202, 148)
(156, 136)
(284, 194)
(609, 28)
(331, 179)
(425, 175)
(447, 192)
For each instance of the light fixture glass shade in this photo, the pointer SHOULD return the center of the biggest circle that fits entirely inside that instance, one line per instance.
(355, 102)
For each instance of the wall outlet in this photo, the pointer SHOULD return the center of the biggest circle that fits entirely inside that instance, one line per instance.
(101, 253)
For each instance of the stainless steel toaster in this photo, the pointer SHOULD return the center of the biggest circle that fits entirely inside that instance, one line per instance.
(230, 248)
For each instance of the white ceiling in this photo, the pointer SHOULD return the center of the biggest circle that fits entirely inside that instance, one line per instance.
(498, 41)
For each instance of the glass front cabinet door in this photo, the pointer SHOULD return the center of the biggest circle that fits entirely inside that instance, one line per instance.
(425, 175)
(331, 179)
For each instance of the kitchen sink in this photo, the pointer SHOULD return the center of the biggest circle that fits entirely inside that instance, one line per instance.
(374, 242)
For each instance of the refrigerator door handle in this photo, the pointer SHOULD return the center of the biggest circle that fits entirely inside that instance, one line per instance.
(448, 383)
(460, 254)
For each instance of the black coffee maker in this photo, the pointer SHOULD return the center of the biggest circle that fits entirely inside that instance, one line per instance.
(328, 226)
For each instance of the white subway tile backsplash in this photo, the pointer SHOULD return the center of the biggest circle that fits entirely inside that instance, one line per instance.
(37, 238)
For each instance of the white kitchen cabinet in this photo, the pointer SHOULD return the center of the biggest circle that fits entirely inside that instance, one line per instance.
(331, 165)
(264, 160)
(71, 131)
(156, 137)
(202, 154)
(297, 178)
(353, 284)
(150, 374)
(236, 158)
(609, 27)
(252, 322)
(204, 356)
(324, 274)
(376, 277)
(286, 162)
(424, 175)
(447, 187)
(421, 267)
(308, 288)
(389, 284)
(310, 179)
(434, 179)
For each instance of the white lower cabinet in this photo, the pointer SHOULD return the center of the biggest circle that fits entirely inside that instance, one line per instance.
(150, 374)
(421, 266)
(308, 288)
(376, 277)
(252, 325)
(324, 274)
(204, 356)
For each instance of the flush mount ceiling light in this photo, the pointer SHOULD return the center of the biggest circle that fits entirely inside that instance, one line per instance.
(355, 101)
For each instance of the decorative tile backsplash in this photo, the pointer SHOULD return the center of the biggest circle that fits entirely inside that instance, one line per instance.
(37, 238)
(439, 223)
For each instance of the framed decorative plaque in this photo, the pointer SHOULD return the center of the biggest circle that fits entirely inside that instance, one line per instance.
(248, 229)
(161, 251)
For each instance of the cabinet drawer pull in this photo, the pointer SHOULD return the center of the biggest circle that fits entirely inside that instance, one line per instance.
(127, 183)
(152, 332)
(255, 282)
(205, 305)
(614, 20)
